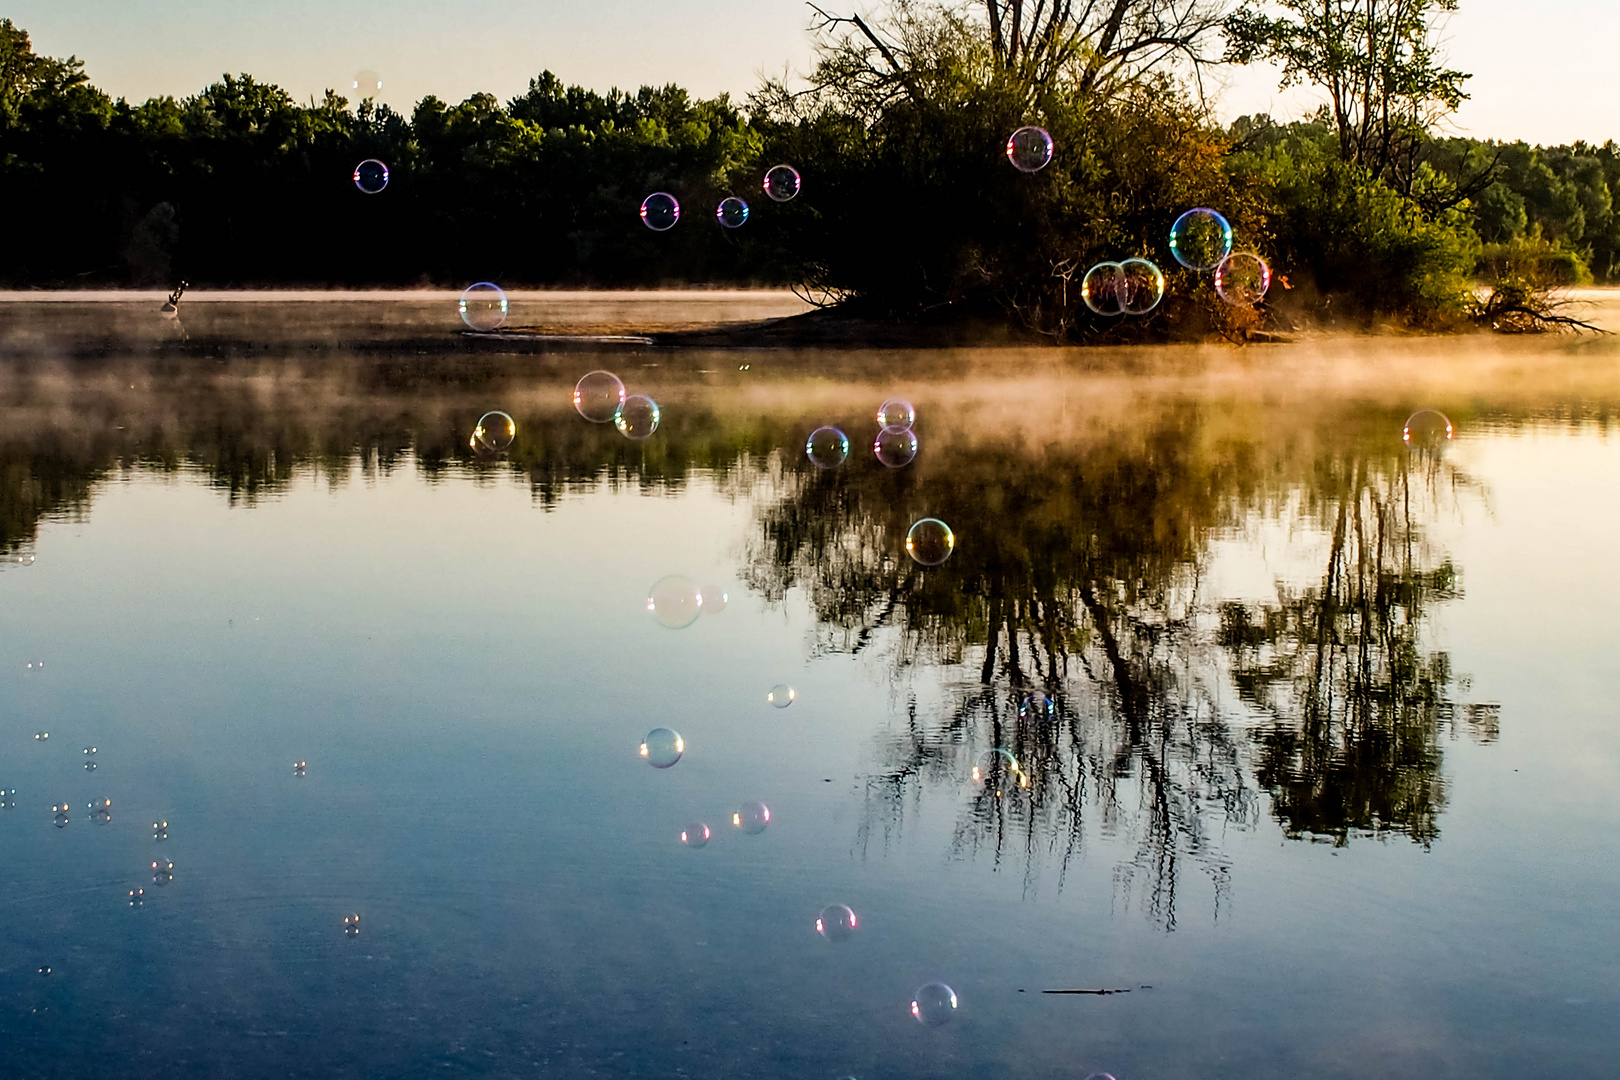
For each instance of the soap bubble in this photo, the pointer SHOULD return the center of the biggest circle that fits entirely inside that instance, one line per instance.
(1427, 429)
(675, 601)
(752, 818)
(836, 922)
(782, 182)
(1029, 149)
(160, 830)
(1200, 239)
(827, 447)
(895, 446)
(660, 211)
(41, 736)
(8, 798)
(365, 85)
(351, 926)
(781, 695)
(483, 306)
(137, 898)
(162, 871)
(695, 835)
(662, 747)
(1140, 286)
(1102, 289)
(100, 811)
(714, 599)
(896, 412)
(997, 772)
(598, 395)
(934, 1004)
(637, 418)
(371, 176)
(930, 542)
(300, 768)
(494, 433)
(1037, 707)
(1242, 279)
(1100, 1076)
(732, 212)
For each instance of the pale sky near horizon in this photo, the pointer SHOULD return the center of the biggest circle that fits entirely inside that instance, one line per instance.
(1545, 77)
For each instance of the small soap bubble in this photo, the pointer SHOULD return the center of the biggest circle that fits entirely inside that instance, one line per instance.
(732, 212)
(752, 818)
(895, 447)
(351, 925)
(934, 1004)
(827, 447)
(1102, 289)
(1140, 286)
(1200, 239)
(41, 736)
(695, 835)
(714, 599)
(89, 766)
(45, 969)
(781, 695)
(371, 176)
(494, 433)
(160, 830)
(8, 798)
(162, 871)
(101, 811)
(365, 85)
(836, 922)
(89, 750)
(782, 182)
(1427, 429)
(663, 747)
(1037, 707)
(60, 814)
(598, 395)
(34, 666)
(137, 897)
(660, 211)
(896, 412)
(1029, 149)
(637, 418)
(930, 542)
(299, 767)
(483, 307)
(1242, 279)
(675, 601)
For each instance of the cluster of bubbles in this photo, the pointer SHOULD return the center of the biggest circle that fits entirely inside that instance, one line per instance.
(1131, 287)
(1201, 240)
(600, 397)
(660, 211)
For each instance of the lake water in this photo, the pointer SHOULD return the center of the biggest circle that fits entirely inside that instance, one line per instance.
(1327, 785)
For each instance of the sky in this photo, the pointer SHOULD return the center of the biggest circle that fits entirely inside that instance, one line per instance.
(1546, 75)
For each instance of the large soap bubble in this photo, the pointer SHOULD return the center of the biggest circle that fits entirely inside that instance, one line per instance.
(483, 306)
(1242, 279)
(934, 1004)
(732, 212)
(662, 747)
(637, 417)
(896, 412)
(695, 835)
(660, 211)
(827, 447)
(895, 446)
(366, 85)
(782, 182)
(494, 433)
(598, 395)
(1101, 289)
(781, 695)
(930, 541)
(1427, 429)
(371, 176)
(1029, 149)
(1140, 286)
(836, 922)
(675, 601)
(1200, 239)
(752, 818)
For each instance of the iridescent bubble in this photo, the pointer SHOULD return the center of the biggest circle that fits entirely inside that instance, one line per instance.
(997, 773)
(896, 412)
(1140, 286)
(1102, 289)
(660, 211)
(598, 395)
(365, 85)
(1427, 429)
(1200, 239)
(1037, 707)
(752, 818)
(827, 447)
(934, 1004)
(1029, 149)
(483, 306)
(714, 599)
(782, 182)
(675, 601)
(1242, 279)
(836, 922)
(371, 176)
(494, 433)
(930, 542)
(895, 446)
(732, 212)
(781, 695)
(637, 418)
(695, 835)
(662, 747)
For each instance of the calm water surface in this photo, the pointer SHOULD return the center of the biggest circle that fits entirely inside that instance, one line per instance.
(1328, 784)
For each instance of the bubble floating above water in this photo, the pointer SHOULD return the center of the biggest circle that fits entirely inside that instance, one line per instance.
(371, 176)
(695, 835)
(101, 811)
(137, 897)
(60, 814)
(1029, 149)
(1242, 279)
(1200, 239)
(827, 447)
(934, 1004)
(41, 736)
(483, 307)
(675, 601)
(714, 599)
(896, 412)
(662, 747)
(836, 922)
(781, 695)
(160, 830)
(752, 818)
(598, 396)
(660, 211)
(998, 773)
(494, 433)
(782, 182)
(1427, 429)
(895, 447)
(351, 926)
(299, 767)
(162, 871)
(1139, 286)
(1101, 289)
(930, 542)
(8, 798)
(732, 212)
(637, 417)
(1037, 707)
(1100, 1076)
